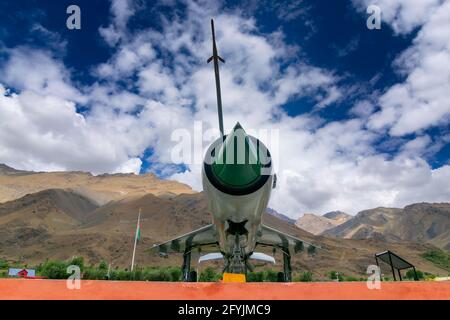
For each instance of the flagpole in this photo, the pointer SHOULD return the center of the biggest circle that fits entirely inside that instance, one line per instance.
(135, 239)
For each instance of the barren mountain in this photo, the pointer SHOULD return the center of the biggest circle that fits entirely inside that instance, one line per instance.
(100, 189)
(338, 216)
(44, 202)
(58, 223)
(421, 222)
(275, 213)
(39, 226)
(5, 170)
(318, 224)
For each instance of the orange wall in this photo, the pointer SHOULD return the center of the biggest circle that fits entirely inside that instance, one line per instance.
(95, 289)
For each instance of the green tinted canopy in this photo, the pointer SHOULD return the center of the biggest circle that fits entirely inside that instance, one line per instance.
(237, 163)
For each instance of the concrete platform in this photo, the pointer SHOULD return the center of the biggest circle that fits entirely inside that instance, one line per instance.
(25, 289)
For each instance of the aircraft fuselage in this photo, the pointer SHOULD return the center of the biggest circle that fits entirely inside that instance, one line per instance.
(237, 194)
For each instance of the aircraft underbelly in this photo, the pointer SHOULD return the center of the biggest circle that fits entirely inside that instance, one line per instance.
(242, 210)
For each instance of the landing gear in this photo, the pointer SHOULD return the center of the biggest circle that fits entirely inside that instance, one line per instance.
(287, 270)
(193, 276)
(238, 264)
(186, 268)
(188, 274)
(280, 276)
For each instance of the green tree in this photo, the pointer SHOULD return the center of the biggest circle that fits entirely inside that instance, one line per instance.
(4, 264)
(77, 261)
(103, 265)
(55, 270)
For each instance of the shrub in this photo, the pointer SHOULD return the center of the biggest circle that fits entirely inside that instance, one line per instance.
(410, 274)
(209, 275)
(122, 275)
(154, 275)
(174, 273)
(77, 261)
(333, 275)
(312, 250)
(93, 273)
(305, 276)
(137, 274)
(4, 264)
(103, 265)
(255, 276)
(439, 258)
(351, 279)
(55, 270)
(271, 276)
(429, 276)
(39, 268)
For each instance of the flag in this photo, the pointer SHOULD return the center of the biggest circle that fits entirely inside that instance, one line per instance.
(137, 237)
(138, 233)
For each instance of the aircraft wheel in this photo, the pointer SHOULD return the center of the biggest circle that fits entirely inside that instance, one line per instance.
(280, 277)
(193, 276)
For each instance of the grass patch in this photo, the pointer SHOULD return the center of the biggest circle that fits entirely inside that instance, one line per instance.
(439, 258)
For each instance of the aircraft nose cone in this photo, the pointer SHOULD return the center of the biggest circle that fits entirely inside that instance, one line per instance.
(237, 163)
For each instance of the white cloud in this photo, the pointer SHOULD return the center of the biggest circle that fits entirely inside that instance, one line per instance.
(416, 146)
(37, 71)
(322, 166)
(421, 101)
(402, 15)
(362, 109)
(121, 11)
(164, 170)
(40, 128)
(132, 165)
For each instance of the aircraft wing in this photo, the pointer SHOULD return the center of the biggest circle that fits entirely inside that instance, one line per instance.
(271, 237)
(203, 237)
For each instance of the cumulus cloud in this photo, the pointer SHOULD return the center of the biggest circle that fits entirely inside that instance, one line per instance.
(321, 166)
(41, 129)
(132, 165)
(421, 101)
(121, 11)
(41, 132)
(402, 15)
(35, 70)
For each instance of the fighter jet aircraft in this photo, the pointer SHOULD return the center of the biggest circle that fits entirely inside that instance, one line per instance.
(237, 179)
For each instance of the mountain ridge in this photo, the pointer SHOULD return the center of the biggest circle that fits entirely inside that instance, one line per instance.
(100, 189)
(318, 224)
(58, 223)
(427, 222)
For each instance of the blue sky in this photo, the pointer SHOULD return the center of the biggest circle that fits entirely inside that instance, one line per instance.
(362, 115)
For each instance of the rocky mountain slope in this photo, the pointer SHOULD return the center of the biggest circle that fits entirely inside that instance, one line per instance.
(338, 216)
(100, 189)
(58, 223)
(318, 224)
(281, 216)
(421, 222)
